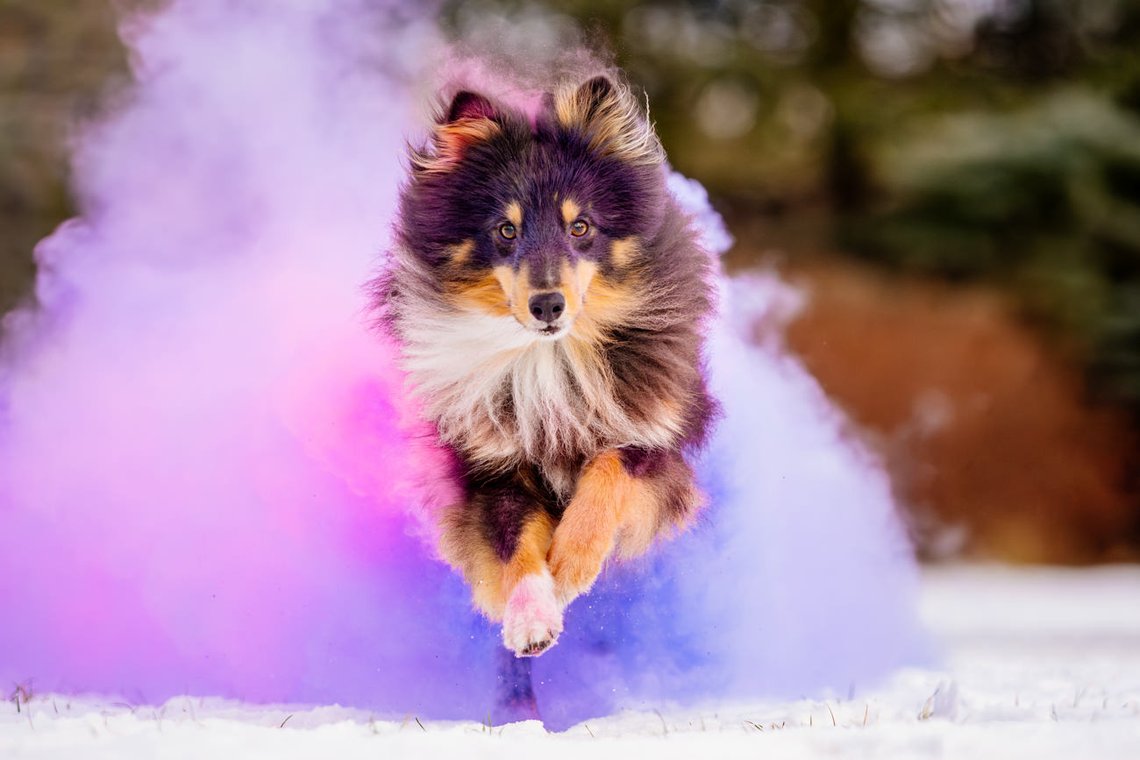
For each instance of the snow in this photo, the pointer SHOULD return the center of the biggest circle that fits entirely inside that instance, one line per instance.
(1038, 663)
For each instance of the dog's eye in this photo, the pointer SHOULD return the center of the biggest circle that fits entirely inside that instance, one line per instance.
(579, 228)
(508, 231)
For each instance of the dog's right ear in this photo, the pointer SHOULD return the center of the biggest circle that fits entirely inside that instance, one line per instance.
(469, 119)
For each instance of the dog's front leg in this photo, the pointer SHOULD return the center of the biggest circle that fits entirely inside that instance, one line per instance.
(623, 501)
(532, 618)
(605, 496)
(499, 540)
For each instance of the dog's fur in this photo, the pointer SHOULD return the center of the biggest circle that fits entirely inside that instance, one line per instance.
(572, 433)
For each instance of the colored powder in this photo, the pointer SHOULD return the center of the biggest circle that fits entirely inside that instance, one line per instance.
(212, 481)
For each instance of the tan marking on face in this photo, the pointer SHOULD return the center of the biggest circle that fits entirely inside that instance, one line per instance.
(592, 304)
(460, 253)
(505, 277)
(485, 294)
(623, 251)
(516, 287)
(570, 211)
(575, 280)
(514, 213)
(605, 305)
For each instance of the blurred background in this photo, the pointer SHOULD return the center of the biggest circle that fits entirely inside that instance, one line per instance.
(954, 184)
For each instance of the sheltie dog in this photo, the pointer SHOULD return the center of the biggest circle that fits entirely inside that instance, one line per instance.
(549, 299)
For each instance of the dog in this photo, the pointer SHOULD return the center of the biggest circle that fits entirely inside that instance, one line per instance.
(549, 299)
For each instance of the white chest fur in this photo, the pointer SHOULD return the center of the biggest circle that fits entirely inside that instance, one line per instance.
(504, 395)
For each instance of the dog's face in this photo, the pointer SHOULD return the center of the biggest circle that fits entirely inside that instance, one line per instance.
(540, 221)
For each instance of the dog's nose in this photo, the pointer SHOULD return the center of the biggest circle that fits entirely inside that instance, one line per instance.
(547, 307)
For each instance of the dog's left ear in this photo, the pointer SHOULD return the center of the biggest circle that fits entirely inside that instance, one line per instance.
(612, 119)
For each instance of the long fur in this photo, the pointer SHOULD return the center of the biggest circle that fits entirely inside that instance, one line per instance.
(587, 418)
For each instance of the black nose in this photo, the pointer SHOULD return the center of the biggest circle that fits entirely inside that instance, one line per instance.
(547, 307)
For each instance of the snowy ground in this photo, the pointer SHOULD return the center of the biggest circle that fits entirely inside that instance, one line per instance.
(1038, 664)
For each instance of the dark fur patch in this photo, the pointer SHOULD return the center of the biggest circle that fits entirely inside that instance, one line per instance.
(640, 462)
(503, 501)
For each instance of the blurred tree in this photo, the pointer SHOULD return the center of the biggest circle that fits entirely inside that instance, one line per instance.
(56, 59)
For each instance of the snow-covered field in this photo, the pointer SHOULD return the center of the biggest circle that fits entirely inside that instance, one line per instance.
(1040, 663)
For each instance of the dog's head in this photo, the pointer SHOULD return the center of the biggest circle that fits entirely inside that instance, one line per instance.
(543, 219)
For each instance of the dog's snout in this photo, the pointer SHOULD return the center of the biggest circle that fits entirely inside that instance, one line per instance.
(547, 307)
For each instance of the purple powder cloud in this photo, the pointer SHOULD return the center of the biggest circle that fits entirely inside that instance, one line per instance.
(212, 483)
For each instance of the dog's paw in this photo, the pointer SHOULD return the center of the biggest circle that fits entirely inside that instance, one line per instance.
(533, 617)
(573, 576)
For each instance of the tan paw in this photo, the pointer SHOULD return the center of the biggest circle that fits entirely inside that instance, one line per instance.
(572, 578)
